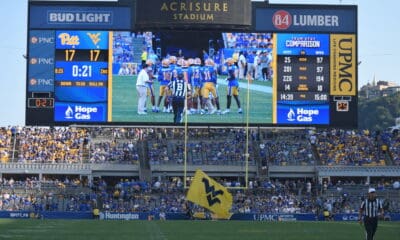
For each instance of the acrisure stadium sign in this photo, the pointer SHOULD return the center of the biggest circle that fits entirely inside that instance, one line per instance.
(180, 13)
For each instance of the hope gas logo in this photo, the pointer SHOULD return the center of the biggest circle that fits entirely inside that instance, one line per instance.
(302, 115)
(291, 116)
(80, 112)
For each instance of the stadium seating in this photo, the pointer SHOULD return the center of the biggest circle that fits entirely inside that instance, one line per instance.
(341, 147)
(80, 149)
(247, 40)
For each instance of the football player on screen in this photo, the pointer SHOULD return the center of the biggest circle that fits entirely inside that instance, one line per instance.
(209, 76)
(150, 87)
(196, 81)
(233, 86)
(164, 77)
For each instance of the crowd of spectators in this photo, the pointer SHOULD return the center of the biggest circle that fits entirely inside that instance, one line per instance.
(206, 146)
(47, 194)
(5, 144)
(395, 149)
(287, 148)
(211, 146)
(50, 145)
(122, 47)
(248, 40)
(350, 147)
(203, 149)
(129, 195)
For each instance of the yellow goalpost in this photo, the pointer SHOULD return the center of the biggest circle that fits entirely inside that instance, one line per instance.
(246, 154)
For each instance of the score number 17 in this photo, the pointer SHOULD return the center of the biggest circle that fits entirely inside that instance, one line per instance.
(70, 54)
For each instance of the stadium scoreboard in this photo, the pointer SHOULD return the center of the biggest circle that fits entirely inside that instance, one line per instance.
(81, 75)
(72, 66)
(302, 78)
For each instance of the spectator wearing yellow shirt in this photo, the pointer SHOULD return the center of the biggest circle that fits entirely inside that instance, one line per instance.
(143, 57)
(96, 213)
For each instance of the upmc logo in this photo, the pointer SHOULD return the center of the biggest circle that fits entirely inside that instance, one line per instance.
(282, 19)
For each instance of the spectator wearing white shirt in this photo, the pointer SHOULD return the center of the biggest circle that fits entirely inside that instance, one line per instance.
(141, 88)
(242, 65)
(124, 70)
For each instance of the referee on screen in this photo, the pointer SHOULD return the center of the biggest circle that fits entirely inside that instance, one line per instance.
(370, 210)
(179, 88)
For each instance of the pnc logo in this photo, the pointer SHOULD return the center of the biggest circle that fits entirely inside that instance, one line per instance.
(34, 60)
(69, 40)
(282, 19)
(33, 81)
(95, 37)
(34, 40)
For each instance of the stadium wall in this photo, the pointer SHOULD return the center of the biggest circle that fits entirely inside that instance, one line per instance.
(181, 216)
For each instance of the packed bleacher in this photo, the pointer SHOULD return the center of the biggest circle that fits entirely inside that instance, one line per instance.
(219, 146)
(206, 146)
(395, 149)
(348, 147)
(247, 40)
(287, 148)
(129, 195)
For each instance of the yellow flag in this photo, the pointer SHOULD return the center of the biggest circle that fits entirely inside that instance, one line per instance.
(209, 194)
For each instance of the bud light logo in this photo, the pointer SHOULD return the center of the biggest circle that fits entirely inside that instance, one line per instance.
(282, 19)
(80, 112)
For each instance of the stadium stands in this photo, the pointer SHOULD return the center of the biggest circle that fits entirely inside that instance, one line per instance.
(341, 147)
(129, 195)
(78, 168)
(247, 40)
(395, 149)
(205, 146)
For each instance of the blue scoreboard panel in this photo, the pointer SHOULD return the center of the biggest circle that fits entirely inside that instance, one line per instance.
(81, 76)
(303, 78)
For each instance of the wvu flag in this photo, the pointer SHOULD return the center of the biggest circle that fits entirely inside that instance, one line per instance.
(207, 193)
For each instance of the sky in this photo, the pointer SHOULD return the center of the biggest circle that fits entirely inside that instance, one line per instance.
(378, 49)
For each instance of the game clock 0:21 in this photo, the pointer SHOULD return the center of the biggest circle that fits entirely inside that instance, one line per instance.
(41, 102)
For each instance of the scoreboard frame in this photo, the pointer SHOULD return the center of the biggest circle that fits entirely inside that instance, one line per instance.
(88, 68)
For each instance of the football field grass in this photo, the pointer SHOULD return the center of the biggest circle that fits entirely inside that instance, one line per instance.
(124, 104)
(189, 230)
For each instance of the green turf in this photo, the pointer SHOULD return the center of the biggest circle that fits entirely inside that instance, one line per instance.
(259, 82)
(189, 230)
(124, 107)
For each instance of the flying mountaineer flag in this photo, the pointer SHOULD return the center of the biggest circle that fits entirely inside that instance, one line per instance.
(209, 194)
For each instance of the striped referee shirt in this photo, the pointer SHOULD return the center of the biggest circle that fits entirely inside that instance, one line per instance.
(371, 208)
(178, 88)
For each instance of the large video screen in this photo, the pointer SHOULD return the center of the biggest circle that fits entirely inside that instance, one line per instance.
(232, 77)
(287, 69)
(229, 76)
(216, 65)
